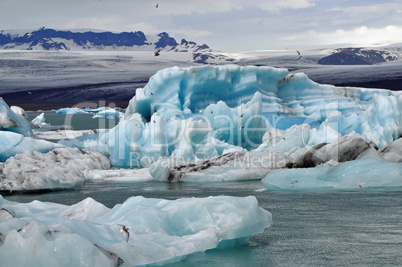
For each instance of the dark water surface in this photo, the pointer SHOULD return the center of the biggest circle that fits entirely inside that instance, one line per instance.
(311, 228)
(75, 121)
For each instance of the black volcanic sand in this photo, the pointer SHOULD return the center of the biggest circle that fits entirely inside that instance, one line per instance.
(394, 84)
(118, 94)
(107, 94)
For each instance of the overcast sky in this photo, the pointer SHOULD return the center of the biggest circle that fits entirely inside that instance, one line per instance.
(227, 25)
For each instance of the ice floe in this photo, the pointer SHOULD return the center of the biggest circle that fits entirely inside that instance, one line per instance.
(60, 168)
(371, 170)
(157, 230)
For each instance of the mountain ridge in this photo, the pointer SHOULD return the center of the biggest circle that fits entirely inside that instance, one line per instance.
(51, 39)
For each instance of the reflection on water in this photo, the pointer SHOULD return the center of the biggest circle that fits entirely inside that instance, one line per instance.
(311, 228)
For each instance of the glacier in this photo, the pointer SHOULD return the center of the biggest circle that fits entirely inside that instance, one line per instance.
(159, 230)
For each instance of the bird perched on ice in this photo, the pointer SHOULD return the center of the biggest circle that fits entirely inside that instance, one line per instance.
(157, 53)
(241, 127)
(241, 116)
(156, 5)
(299, 56)
(125, 230)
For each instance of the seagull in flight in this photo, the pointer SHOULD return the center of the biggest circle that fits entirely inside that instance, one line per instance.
(241, 116)
(241, 127)
(299, 55)
(30, 35)
(125, 230)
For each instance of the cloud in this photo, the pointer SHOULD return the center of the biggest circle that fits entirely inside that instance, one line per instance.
(374, 13)
(277, 5)
(107, 23)
(359, 36)
(192, 33)
(188, 7)
(144, 27)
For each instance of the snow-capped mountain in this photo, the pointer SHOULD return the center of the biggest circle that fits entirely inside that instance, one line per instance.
(51, 39)
(361, 56)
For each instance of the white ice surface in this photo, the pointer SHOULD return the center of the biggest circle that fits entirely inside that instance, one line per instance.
(63, 134)
(120, 175)
(88, 233)
(39, 121)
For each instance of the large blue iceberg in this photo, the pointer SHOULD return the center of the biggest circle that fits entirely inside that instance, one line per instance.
(196, 113)
(48, 234)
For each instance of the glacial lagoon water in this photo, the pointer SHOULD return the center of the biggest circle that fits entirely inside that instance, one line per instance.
(361, 227)
(310, 228)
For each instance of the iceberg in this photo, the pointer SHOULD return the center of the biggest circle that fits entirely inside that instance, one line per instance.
(196, 113)
(107, 111)
(12, 144)
(369, 170)
(39, 121)
(119, 175)
(108, 114)
(12, 121)
(60, 168)
(157, 230)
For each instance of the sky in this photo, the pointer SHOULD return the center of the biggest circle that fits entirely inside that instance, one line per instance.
(225, 25)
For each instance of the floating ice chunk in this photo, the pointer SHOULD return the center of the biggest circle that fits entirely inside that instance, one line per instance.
(64, 134)
(120, 175)
(11, 121)
(58, 169)
(13, 143)
(74, 110)
(108, 114)
(234, 166)
(39, 121)
(369, 171)
(88, 233)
